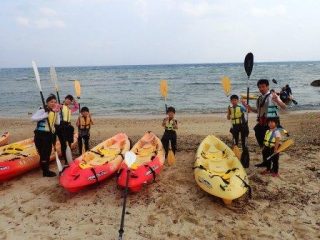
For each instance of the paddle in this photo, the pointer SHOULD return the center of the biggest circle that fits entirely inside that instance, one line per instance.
(129, 159)
(248, 66)
(226, 86)
(77, 88)
(54, 80)
(36, 73)
(274, 81)
(164, 91)
(283, 147)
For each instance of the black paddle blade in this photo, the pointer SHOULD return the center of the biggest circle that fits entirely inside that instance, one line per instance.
(294, 101)
(248, 63)
(274, 81)
(245, 158)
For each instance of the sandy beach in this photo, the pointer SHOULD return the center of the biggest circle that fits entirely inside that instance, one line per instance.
(174, 207)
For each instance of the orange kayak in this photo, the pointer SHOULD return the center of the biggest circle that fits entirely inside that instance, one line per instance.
(20, 157)
(148, 164)
(4, 139)
(95, 165)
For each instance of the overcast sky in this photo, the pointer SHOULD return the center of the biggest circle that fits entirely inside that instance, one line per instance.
(121, 32)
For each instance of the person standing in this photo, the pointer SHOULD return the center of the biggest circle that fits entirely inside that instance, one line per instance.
(236, 113)
(170, 125)
(44, 136)
(84, 123)
(267, 106)
(65, 130)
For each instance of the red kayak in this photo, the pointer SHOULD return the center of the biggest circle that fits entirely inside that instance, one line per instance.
(148, 164)
(20, 157)
(4, 139)
(95, 165)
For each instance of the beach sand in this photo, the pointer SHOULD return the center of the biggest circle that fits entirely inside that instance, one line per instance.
(174, 207)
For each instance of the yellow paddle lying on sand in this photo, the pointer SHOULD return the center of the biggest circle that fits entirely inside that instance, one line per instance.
(283, 147)
(164, 94)
(226, 85)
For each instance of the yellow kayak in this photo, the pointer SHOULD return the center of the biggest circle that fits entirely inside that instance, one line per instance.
(218, 171)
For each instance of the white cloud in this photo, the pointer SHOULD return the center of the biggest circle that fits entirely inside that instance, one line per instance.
(201, 9)
(142, 9)
(276, 11)
(45, 18)
(23, 21)
(48, 12)
(44, 23)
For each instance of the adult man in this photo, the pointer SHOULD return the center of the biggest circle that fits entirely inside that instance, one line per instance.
(267, 106)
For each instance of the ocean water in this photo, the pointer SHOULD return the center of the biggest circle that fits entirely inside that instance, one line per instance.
(134, 90)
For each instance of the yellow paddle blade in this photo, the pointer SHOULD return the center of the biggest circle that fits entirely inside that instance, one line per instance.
(171, 158)
(164, 88)
(236, 152)
(285, 145)
(77, 88)
(226, 85)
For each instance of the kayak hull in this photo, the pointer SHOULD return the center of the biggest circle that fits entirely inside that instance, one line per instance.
(91, 168)
(147, 166)
(218, 171)
(12, 165)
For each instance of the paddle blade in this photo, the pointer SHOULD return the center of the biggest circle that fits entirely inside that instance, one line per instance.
(130, 158)
(237, 152)
(274, 81)
(248, 63)
(245, 158)
(226, 85)
(54, 78)
(171, 158)
(285, 145)
(294, 102)
(59, 165)
(36, 73)
(69, 154)
(77, 88)
(164, 88)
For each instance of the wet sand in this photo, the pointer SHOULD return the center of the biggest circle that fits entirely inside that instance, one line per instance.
(174, 207)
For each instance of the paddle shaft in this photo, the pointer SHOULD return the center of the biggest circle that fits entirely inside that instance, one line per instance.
(121, 231)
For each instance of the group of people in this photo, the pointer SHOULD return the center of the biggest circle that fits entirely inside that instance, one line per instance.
(267, 129)
(55, 120)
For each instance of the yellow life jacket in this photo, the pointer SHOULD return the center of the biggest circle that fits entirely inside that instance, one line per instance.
(236, 115)
(85, 122)
(269, 138)
(43, 124)
(66, 114)
(169, 125)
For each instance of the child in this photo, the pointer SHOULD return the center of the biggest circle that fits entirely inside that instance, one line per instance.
(236, 114)
(44, 132)
(271, 145)
(170, 125)
(84, 123)
(65, 130)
